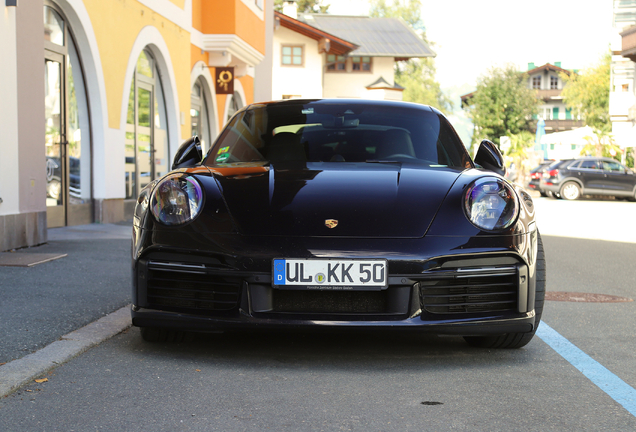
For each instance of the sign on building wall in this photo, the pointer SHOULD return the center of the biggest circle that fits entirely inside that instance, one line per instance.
(224, 80)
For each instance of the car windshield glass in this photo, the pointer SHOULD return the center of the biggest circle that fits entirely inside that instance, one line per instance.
(338, 132)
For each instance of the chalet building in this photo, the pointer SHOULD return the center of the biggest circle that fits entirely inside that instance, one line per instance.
(547, 83)
(546, 80)
(331, 56)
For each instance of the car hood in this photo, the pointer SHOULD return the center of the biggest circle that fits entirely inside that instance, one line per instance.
(360, 199)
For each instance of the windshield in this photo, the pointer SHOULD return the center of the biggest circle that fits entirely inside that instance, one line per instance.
(339, 132)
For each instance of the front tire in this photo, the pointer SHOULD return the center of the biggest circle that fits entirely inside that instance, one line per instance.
(518, 340)
(570, 191)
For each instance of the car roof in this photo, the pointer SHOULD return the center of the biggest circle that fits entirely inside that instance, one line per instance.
(596, 158)
(349, 102)
(559, 163)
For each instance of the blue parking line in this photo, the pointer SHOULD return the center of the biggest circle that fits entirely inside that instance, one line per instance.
(615, 387)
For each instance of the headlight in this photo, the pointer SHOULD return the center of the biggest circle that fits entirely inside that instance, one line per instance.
(176, 199)
(491, 204)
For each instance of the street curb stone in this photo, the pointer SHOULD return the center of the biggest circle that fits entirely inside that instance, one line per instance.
(17, 373)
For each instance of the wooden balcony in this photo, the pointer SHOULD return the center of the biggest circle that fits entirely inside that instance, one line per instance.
(548, 95)
(558, 125)
(629, 43)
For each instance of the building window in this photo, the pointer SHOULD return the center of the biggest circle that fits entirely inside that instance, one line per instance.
(67, 136)
(199, 115)
(555, 113)
(146, 145)
(536, 82)
(235, 104)
(336, 63)
(546, 113)
(554, 83)
(361, 64)
(292, 56)
(259, 4)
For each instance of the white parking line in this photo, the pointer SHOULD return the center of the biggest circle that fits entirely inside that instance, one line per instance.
(615, 387)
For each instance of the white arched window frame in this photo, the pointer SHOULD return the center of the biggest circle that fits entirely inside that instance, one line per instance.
(149, 38)
(201, 73)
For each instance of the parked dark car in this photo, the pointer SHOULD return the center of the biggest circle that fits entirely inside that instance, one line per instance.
(535, 177)
(590, 176)
(338, 214)
(552, 168)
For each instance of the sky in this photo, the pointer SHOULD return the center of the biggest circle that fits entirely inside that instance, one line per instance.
(470, 36)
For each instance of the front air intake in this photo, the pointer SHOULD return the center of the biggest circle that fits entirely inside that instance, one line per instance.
(190, 288)
(471, 290)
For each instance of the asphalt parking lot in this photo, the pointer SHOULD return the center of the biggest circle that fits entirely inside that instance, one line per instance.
(577, 374)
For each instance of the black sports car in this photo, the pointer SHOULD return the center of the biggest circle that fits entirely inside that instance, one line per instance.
(338, 213)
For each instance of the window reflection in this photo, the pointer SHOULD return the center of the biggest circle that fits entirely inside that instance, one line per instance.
(53, 26)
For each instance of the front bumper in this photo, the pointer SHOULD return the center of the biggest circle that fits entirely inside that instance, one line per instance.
(196, 323)
(486, 286)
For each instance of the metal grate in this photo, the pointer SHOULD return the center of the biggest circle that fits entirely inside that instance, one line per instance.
(335, 302)
(463, 291)
(190, 288)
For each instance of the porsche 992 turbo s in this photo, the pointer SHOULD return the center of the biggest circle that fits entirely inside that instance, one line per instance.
(338, 213)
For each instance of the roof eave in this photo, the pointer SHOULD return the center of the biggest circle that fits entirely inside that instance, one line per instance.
(338, 45)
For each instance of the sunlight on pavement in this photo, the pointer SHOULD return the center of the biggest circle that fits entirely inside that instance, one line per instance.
(587, 219)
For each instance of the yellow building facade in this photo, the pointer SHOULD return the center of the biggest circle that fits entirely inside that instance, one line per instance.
(124, 83)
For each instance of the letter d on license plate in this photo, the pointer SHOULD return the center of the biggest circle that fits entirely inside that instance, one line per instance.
(329, 274)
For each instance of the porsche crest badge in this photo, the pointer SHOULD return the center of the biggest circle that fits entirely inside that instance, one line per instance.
(331, 223)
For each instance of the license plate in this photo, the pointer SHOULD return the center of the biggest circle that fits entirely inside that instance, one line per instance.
(331, 274)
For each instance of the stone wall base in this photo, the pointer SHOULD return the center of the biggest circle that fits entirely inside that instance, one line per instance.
(109, 210)
(22, 230)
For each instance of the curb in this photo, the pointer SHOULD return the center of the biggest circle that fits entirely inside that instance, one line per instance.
(17, 373)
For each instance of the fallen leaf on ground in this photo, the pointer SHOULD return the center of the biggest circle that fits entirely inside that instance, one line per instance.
(41, 380)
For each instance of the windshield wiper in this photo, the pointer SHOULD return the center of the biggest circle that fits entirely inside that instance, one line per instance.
(383, 161)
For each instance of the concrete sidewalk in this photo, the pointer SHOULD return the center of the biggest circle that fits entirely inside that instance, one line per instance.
(41, 304)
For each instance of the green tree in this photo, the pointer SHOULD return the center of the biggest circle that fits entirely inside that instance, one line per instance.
(587, 94)
(417, 76)
(304, 6)
(502, 105)
(518, 153)
(409, 11)
(601, 144)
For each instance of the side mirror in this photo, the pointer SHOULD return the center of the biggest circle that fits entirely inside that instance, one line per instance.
(189, 154)
(489, 157)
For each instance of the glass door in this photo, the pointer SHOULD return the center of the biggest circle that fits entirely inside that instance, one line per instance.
(145, 148)
(55, 140)
(146, 130)
(67, 126)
